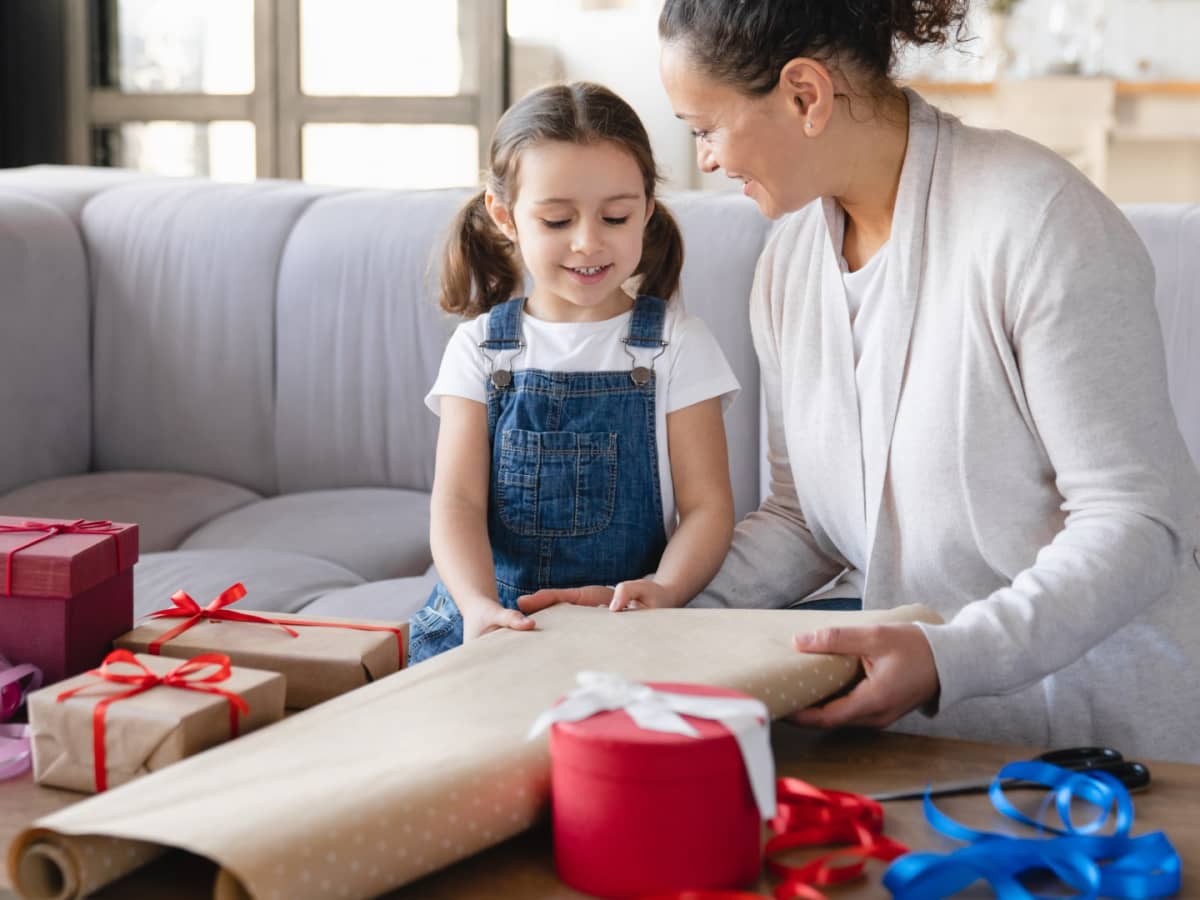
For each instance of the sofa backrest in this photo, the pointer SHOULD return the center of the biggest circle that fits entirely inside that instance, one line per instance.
(45, 377)
(1171, 233)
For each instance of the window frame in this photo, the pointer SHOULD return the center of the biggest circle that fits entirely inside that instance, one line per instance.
(277, 107)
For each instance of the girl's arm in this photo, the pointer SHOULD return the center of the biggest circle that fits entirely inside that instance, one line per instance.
(704, 499)
(458, 518)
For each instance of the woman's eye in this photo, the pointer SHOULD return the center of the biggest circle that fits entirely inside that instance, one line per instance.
(556, 223)
(700, 134)
(616, 220)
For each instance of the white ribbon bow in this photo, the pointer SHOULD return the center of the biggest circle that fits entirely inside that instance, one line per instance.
(653, 710)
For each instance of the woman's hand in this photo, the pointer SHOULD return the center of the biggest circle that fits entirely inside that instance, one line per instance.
(480, 618)
(627, 595)
(900, 674)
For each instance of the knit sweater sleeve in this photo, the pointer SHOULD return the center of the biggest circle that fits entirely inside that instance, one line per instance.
(1086, 339)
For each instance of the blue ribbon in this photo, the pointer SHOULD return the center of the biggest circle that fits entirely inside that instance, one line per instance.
(1113, 865)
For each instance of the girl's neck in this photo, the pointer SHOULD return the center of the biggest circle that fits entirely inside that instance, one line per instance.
(549, 307)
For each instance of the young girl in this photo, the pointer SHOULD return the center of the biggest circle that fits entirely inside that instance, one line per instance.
(581, 427)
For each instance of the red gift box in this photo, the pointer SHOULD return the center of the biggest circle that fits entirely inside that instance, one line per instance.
(639, 812)
(66, 591)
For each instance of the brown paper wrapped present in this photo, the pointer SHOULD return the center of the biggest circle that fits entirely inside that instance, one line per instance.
(137, 714)
(422, 769)
(321, 657)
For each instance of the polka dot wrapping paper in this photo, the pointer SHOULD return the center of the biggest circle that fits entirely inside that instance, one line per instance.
(413, 772)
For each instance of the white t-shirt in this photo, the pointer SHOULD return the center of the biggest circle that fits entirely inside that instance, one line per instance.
(692, 367)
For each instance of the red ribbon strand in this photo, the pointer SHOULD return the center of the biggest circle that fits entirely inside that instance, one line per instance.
(186, 676)
(49, 530)
(187, 608)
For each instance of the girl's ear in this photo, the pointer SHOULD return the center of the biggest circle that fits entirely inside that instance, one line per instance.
(649, 212)
(501, 215)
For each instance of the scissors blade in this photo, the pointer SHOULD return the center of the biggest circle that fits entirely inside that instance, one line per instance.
(944, 789)
(1134, 776)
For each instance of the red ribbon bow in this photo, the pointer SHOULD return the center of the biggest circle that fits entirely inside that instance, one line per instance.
(185, 676)
(49, 530)
(187, 608)
(808, 816)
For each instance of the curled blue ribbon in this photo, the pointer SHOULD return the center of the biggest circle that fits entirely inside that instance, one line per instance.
(1115, 865)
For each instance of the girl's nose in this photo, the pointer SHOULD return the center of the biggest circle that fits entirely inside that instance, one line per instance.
(585, 239)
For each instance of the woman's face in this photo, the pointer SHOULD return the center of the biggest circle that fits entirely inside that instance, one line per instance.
(759, 141)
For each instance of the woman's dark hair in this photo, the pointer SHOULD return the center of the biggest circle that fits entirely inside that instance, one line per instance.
(746, 43)
(481, 267)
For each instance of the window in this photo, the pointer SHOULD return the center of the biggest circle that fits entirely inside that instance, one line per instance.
(398, 93)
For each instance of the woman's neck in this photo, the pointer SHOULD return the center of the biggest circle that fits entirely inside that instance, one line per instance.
(879, 144)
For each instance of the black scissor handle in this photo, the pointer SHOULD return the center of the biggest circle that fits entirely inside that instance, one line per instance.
(1082, 757)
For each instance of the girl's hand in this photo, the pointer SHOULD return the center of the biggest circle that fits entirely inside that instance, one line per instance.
(594, 595)
(642, 593)
(900, 674)
(480, 618)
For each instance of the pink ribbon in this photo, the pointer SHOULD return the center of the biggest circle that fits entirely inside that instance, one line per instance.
(12, 691)
(15, 752)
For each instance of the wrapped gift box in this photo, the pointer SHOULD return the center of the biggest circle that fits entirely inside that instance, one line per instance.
(64, 598)
(326, 657)
(639, 812)
(144, 732)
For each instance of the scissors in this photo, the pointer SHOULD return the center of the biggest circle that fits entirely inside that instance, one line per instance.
(1133, 775)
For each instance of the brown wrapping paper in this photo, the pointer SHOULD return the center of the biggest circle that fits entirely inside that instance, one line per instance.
(145, 732)
(319, 663)
(404, 776)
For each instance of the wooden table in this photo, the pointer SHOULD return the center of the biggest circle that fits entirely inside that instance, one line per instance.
(851, 760)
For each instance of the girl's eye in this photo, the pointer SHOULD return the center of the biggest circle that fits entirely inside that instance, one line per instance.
(700, 134)
(616, 220)
(556, 223)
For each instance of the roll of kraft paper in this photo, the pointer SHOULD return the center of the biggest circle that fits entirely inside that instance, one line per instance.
(438, 767)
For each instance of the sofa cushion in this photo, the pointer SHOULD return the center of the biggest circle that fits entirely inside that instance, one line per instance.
(45, 387)
(275, 582)
(69, 187)
(375, 532)
(183, 282)
(394, 600)
(167, 506)
(360, 338)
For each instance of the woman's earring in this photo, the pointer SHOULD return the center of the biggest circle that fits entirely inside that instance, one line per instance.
(808, 125)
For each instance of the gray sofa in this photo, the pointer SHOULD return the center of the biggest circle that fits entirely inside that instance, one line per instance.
(241, 368)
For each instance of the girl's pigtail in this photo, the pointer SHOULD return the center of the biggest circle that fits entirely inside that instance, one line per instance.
(479, 269)
(662, 255)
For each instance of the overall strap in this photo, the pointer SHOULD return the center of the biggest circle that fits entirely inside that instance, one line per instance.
(646, 324)
(504, 326)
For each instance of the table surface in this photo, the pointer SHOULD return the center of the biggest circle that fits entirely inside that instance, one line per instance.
(860, 761)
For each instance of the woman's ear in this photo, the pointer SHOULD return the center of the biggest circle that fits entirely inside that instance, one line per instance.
(808, 88)
(501, 215)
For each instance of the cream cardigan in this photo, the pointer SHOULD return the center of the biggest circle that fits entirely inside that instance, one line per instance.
(1030, 482)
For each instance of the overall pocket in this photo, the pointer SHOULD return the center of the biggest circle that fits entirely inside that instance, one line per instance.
(556, 483)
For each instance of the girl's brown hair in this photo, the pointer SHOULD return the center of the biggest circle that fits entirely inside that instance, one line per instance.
(481, 267)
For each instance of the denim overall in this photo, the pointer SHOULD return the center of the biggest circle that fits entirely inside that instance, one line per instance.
(574, 495)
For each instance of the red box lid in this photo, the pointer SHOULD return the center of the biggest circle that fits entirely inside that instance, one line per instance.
(65, 564)
(610, 745)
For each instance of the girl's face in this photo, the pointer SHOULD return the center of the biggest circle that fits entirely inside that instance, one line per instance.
(578, 219)
(759, 141)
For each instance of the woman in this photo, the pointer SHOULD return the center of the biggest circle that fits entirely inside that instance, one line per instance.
(965, 392)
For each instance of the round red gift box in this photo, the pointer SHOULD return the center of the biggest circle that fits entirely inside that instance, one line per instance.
(638, 811)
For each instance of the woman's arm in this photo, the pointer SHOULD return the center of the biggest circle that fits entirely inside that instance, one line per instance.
(458, 518)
